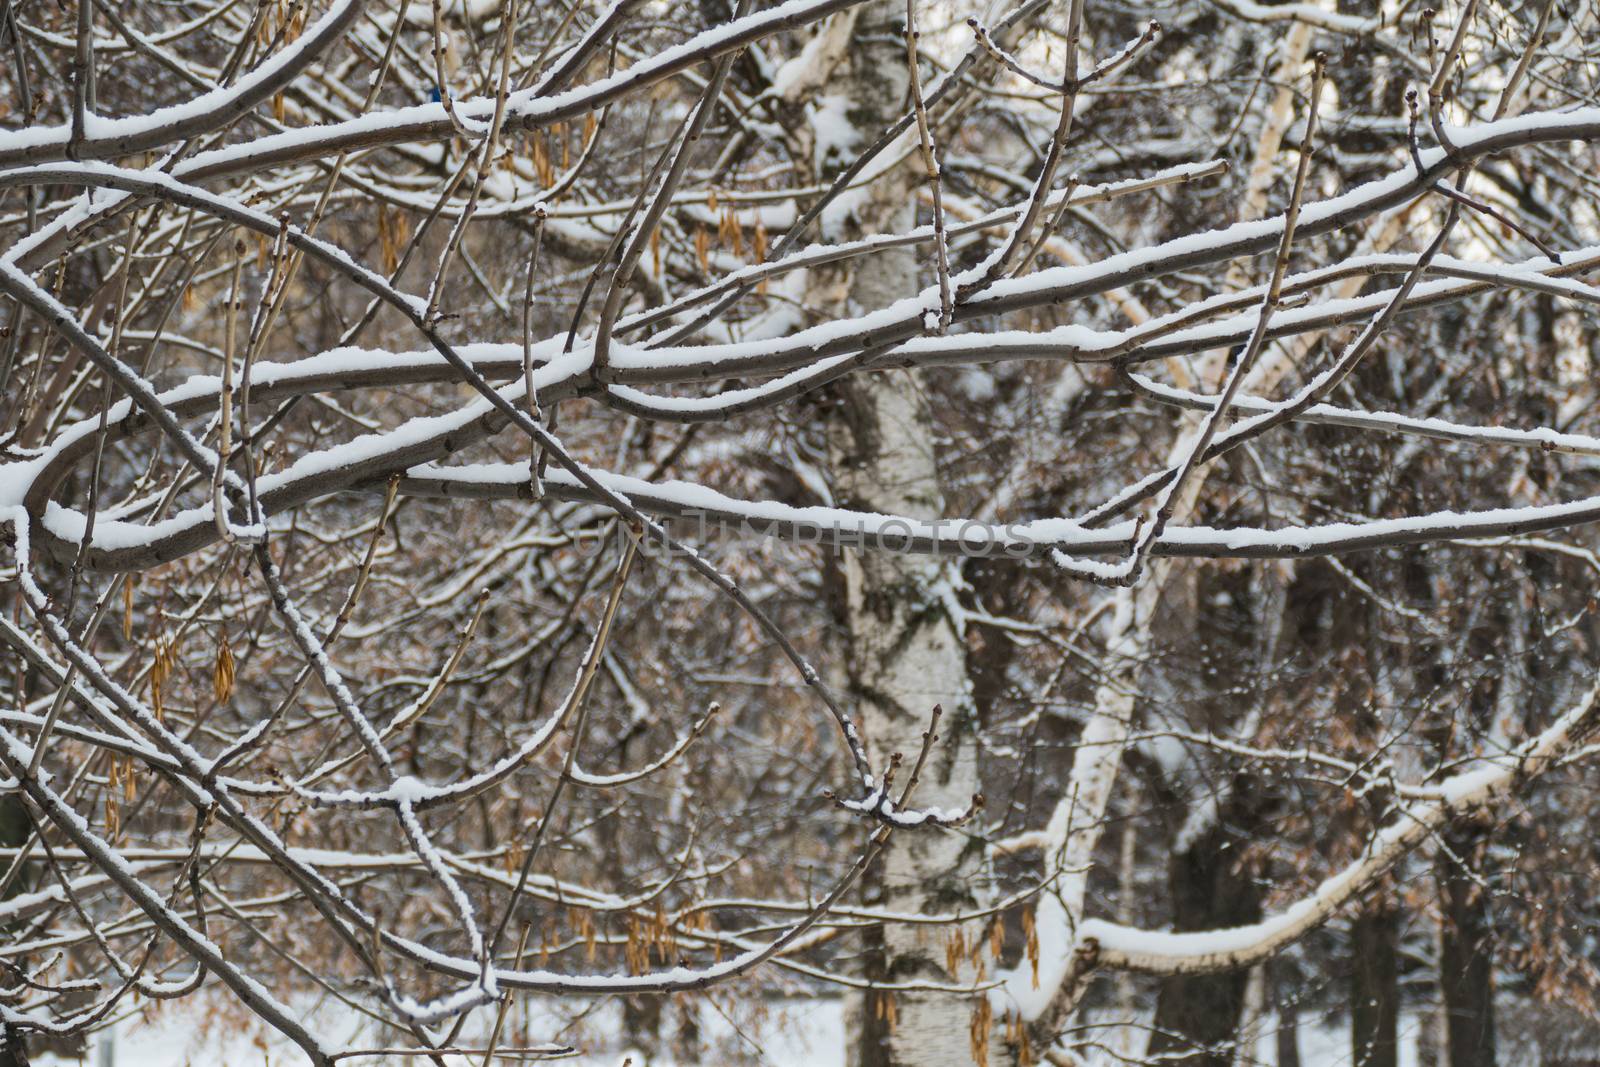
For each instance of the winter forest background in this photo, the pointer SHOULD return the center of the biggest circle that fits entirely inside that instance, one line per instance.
(894, 532)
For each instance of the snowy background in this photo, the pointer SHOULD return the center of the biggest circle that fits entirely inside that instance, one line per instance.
(799, 1033)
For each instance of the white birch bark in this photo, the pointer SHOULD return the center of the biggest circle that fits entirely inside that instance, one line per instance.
(907, 654)
(1075, 826)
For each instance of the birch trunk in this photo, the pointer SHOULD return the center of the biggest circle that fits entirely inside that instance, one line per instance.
(1073, 833)
(907, 654)
(906, 657)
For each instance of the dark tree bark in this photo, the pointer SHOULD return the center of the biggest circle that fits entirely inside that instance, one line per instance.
(1375, 987)
(1284, 976)
(1466, 951)
(15, 829)
(641, 1020)
(687, 1041)
(13, 1050)
(1288, 1037)
(1197, 1016)
(1238, 619)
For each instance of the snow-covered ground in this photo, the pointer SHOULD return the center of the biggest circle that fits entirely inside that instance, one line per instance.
(798, 1033)
(794, 1033)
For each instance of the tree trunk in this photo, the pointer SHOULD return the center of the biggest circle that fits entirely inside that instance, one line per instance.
(1197, 1016)
(906, 653)
(641, 1021)
(1375, 988)
(1466, 960)
(15, 829)
(907, 657)
(688, 1041)
(1288, 1036)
